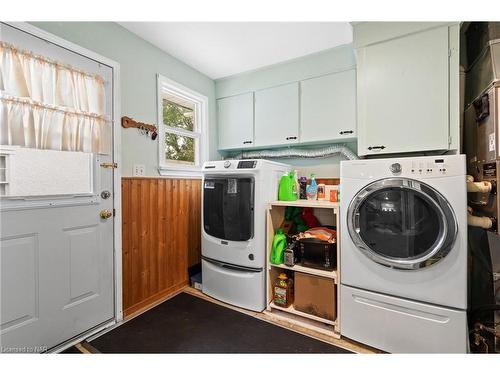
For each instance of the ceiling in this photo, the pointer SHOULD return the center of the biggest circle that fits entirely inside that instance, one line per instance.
(221, 49)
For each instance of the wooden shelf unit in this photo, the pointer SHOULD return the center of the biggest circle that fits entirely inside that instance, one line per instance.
(308, 270)
(291, 310)
(306, 203)
(328, 214)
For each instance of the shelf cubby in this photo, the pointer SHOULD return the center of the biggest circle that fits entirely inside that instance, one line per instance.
(328, 214)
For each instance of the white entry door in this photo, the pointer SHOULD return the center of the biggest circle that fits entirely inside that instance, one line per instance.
(56, 240)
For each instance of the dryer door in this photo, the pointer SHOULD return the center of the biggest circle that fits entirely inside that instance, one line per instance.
(228, 207)
(402, 223)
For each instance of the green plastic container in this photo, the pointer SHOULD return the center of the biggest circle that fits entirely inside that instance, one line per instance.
(286, 190)
(278, 250)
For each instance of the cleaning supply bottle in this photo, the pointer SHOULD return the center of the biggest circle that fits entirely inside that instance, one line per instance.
(312, 189)
(278, 248)
(303, 187)
(296, 185)
(286, 188)
(283, 291)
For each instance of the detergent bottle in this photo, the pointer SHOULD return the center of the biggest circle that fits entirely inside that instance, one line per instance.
(286, 190)
(278, 249)
(296, 184)
(312, 189)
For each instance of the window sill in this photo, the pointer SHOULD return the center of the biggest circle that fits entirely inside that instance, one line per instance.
(194, 173)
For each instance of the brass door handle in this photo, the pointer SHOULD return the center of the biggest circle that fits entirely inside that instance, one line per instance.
(109, 165)
(105, 214)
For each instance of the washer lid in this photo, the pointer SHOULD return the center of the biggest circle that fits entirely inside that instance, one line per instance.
(402, 223)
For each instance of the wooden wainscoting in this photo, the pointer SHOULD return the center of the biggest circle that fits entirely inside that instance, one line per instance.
(161, 230)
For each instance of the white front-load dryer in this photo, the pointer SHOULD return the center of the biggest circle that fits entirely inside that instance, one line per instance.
(404, 253)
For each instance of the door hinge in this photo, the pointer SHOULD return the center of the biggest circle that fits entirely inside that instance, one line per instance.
(114, 212)
(109, 165)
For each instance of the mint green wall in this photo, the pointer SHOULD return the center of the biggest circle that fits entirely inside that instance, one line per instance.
(317, 64)
(314, 65)
(139, 61)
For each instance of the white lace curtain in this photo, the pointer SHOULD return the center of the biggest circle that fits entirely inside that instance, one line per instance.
(49, 105)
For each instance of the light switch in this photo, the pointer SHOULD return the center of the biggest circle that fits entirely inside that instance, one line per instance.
(139, 170)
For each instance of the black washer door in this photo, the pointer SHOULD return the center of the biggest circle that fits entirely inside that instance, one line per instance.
(228, 207)
(402, 223)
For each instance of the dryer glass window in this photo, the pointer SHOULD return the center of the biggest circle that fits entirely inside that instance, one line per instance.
(228, 208)
(399, 223)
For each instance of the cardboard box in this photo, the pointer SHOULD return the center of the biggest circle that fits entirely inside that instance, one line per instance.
(315, 295)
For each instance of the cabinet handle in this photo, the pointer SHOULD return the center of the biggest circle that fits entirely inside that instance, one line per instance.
(376, 148)
(346, 132)
(247, 142)
(288, 138)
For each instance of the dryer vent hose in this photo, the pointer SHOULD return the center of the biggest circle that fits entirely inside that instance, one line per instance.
(479, 187)
(294, 152)
(479, 221)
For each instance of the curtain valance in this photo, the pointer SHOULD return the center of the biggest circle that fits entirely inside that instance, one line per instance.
(27, 123)
(27, 75)
(46, 104)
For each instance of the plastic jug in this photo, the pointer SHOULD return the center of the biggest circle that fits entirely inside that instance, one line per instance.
(312, 189)
(283, 291)
(287, 188)
(278, 249)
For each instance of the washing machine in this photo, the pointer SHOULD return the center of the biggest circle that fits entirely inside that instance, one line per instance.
(233, 234)
(404, 253)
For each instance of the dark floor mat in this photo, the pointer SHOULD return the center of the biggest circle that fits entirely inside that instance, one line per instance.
(71, 350)
(188, 324)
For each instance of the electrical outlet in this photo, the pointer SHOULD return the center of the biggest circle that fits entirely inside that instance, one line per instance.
(139, 169)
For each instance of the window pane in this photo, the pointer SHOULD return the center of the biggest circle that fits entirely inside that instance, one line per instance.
(178, 113)
(56, 172)
(179, 149)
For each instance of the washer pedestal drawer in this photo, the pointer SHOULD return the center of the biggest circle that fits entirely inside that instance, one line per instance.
(398, 325)
(234, 285)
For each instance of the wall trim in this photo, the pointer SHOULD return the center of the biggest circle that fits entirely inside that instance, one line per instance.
(154, 300)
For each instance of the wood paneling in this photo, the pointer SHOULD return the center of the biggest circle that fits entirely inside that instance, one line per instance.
(161, 229)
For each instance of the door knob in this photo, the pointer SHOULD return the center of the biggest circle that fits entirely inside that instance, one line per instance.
(105, 194)
(105, 214)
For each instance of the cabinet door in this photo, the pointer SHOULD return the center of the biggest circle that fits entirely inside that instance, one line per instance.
(277, 115)
(235, 119)
(403, 94)
(328, 107)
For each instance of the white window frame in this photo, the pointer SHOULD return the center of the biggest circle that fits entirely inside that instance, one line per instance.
(168, 86)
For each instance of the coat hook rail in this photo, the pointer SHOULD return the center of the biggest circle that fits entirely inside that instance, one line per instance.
(128, 122)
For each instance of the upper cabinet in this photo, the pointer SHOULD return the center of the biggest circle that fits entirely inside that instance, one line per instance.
(315, 110)
(407, 91)
(277, 115)
(328, 107)
(235, 119)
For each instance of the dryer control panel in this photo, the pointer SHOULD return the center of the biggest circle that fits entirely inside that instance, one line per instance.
(413, 167)
(435, 167)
